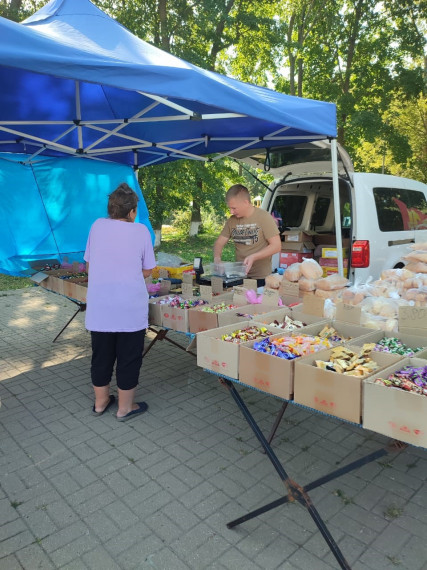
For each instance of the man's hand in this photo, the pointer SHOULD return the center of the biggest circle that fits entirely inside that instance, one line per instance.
(249, 261)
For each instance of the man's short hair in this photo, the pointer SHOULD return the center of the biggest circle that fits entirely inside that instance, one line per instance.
(238, 191)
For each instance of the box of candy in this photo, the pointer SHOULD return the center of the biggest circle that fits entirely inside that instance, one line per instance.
(395, 401)
(405, 345)
(218, 349)
(268, 364)
(338, 332)
(331, 381)
(175, 311)
(72, 284)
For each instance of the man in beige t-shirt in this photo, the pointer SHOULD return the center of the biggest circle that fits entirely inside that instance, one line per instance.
(254, 232)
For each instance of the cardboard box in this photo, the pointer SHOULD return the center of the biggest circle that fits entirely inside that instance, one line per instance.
(394, 412)
(199, 321)
(298, 236)
(176, 318)
(267, 373)
(332, 270)
(331, 262)
(412, 341)
(218, 355)
(332, 393)
(332, 252)
(155, 310)
(413, 320)
(348, 313)
(298, 246)
(357, 335)
(287, 258)
(74, 288)
(298, 313)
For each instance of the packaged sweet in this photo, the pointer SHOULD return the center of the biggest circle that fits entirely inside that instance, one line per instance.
(397, 274)
(311, 269)
(288, 324)
(332, 282)
(273, 281)
(345, 361)
(409, 378)
(419, 246)
(245, 335)
(417, 255)
(327, 294)
(290, 347)
(417, 267)
(293, 272)
(307, 284)
(417, 295)
(396, 346)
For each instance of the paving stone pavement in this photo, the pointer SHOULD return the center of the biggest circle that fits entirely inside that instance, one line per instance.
(82, 492)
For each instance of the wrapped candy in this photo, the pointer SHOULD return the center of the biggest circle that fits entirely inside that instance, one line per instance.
(245, 335)
(288, 324)
(345, 361)
(219, 308)
(331, 334)
(177, 302)
(395, 346)
(290, 347)
(409, 378)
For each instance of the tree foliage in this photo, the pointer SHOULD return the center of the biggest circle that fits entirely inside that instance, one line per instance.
(368, 57)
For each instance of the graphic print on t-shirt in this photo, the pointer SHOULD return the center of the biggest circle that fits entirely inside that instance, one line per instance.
(246, 234)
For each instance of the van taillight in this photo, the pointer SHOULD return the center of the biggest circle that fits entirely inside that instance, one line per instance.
(360, 253)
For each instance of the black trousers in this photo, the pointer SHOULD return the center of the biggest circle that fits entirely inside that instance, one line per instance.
(123, 348)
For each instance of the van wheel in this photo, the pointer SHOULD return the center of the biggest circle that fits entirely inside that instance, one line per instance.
(399, 265)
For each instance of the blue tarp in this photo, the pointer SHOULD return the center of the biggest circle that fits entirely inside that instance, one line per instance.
(74, 82)
(96, 89)
(48, 207)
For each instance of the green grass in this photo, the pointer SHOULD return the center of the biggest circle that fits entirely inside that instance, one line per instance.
(7, 282)
(190, 247)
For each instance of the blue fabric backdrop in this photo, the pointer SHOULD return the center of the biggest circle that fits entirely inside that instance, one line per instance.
(47, 207)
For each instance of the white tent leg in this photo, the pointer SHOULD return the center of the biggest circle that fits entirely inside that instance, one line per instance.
(337, 208)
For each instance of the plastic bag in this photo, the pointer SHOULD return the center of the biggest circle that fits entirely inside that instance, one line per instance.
(273, 281)
(417, 267)
(306, 284)
(418, 295)
(419, 246)
(329, 309)
(379, 323)
(327, 294)
(332, 282)
(168, 259)
(417, 255)
(400, 274)
(311, 269)
(293, 272)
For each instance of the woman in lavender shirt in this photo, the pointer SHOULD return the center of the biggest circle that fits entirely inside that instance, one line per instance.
(119, 255)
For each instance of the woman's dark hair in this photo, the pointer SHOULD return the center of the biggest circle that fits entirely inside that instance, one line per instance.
(122, 201)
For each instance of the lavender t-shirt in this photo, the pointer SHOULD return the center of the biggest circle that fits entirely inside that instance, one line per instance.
(117, 298)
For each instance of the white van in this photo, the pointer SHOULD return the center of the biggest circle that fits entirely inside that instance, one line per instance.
(380, 214)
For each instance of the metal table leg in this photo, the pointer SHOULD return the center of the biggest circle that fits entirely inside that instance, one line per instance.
(161, 334)
(81, 309)
(294, 491)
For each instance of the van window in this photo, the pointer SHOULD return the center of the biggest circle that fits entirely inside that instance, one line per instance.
(290, 209)
(321, 208)
(400, 210)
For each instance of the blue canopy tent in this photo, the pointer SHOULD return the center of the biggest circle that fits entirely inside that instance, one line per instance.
(75, 82)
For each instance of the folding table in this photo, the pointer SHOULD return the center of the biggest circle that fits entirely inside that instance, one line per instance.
(294, 491)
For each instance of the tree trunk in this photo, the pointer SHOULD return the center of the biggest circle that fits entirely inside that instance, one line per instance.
(291, 56)
(163, 25)
(196, 216)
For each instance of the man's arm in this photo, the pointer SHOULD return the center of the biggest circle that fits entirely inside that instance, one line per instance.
(274, 246)
(218, 247)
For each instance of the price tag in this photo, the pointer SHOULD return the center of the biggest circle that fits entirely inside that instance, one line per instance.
(239, 296)
(289, 288)
(348, 313)
(39, 277)
(165, 287)
(187, 278)
(250, 284)
(187, 290)
(270, 297)
(217, 285)
(163, 273)
(206, 292)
